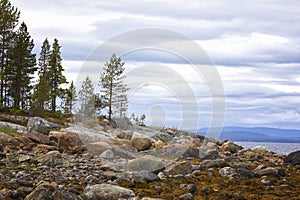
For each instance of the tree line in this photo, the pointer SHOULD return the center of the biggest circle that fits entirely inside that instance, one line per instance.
(19, 66)
(34, 82)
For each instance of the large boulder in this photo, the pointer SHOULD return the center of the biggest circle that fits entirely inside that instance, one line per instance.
(40, 125)
(106, 191)
(123, 123)
(38, 130)
(293, 158)
(141, 143)
(179, 168)
(18, 128)
(146, 163)
(49, 192)
(231, 147)
(69, 142)
(269, 171)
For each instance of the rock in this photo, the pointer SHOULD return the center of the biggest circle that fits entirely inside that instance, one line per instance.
(70, 142)
(40, 125)
(108, 154)
(5, 139)
(143, 176)
(162, 176)
(51, 158)
(293, 158)
(164, 137)
(106, 191)
(187, 196)
(123, 123)
(146, 163)
(226, 171)
(281, 171)
(231, 147)
(24, 158)
(43, 148)
(269, 171)
(205, 153)
(125, 135)
(235, 176)
(48, 191)
(159, 144)
(265, 181)
(213, 163)
(2, 155)
(24, 191)
(191, 152)
(16, 127)
(141, 143)
(37, 137)
(179, 168)
(259, 149)
(192, 188)
(246, 173)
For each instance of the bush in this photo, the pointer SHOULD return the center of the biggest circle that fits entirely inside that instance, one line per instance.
(139, 120)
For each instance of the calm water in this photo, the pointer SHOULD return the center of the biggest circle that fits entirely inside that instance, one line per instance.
(282, 148)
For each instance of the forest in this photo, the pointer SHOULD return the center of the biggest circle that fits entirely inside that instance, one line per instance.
(35, 84)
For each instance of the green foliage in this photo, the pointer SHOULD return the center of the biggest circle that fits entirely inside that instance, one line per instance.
(113, 89)
(9, 19)
(18, 66)
(86, 98)
(21, 69)
(55, 76)
(9, 131)
(15, 111)
(69, 98)
(138, 120)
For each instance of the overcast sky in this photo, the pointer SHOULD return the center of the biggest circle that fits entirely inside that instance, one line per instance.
(255, 46)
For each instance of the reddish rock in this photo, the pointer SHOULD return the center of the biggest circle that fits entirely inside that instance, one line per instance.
(69, 142)
(141, 143)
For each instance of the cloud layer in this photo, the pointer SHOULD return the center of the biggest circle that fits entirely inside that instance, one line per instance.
(254, 44)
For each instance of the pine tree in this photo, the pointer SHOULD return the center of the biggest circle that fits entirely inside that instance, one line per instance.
(44, 58)
(70, 98)
(113, 89)
(21, 68)
(41, 95)
(86, 98)
(9, 18)
(56, 78)
(120, 101)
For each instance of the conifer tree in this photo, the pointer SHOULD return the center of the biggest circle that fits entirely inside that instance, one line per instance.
(56, 78)
(113, 89)
(21, 68)
(9, 19)
(41, 95)
(44, 58)
(70, 98)
(86, 98)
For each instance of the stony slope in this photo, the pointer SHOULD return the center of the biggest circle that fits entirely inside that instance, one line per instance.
(102, 162)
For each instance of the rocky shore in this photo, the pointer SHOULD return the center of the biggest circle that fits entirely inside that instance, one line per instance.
(135, 163)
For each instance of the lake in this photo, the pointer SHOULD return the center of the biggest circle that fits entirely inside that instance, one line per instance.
(282, 148)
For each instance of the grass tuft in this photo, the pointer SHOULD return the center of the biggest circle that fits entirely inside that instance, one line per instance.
(9, 131)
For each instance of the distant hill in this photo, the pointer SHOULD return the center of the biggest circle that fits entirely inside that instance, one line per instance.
(257, 134)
